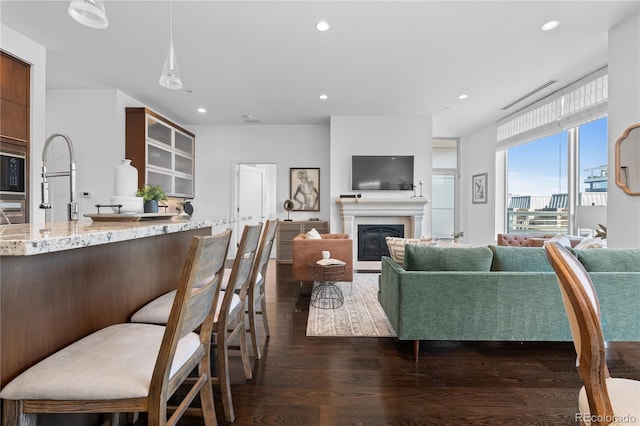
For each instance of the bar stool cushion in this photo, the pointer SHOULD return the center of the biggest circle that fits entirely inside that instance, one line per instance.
(157, 311)
(623, 394)
(227, 273)
(113, 363)
(235, 301)
(225, 278)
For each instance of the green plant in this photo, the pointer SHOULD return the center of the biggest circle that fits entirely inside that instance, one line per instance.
(458, 235)
(601, 232)
(152, 192)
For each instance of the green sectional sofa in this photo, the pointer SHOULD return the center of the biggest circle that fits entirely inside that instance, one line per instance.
(502, 293)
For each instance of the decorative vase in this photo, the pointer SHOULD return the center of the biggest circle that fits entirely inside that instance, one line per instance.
(125, 179)
(151, 206)
(188, 208)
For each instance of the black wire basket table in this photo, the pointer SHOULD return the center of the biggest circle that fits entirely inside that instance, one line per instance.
(326, 294)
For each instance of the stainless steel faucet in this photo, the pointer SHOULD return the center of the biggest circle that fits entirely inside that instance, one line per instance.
(72, 206)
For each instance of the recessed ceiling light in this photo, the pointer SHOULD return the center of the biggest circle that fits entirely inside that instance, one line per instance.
(550, 25)
(324, 97)
(463, 96)
(248, 118)
(322, 26)
(202, 110)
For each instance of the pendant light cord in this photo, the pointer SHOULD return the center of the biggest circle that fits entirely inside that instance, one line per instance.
(171, 22)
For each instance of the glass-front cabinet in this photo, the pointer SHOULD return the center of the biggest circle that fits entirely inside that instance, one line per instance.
(162, 151)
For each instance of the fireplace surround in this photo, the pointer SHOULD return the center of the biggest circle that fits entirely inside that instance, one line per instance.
(380, 211)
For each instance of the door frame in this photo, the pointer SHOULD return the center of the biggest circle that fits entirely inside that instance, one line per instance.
(270, 195)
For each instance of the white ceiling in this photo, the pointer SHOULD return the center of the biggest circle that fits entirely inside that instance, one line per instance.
(266, 59)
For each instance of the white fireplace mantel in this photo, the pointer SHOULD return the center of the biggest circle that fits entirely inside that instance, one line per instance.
(355, 211)
(400, 207)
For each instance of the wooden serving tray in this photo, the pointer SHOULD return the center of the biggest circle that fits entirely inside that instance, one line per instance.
(128, 217)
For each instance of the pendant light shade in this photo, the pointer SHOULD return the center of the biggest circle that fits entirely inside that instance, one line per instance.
(89, 12)
(170, 77)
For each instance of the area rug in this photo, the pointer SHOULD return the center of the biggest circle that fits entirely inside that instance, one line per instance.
(360, 315)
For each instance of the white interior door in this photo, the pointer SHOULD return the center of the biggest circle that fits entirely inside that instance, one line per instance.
(251, 196)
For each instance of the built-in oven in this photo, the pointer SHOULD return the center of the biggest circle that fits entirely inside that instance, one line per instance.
(12, 173)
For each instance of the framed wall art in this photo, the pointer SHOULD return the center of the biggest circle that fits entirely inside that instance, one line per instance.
(305, 189)
(479, 188)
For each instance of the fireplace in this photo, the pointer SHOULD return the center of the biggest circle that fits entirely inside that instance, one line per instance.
(371, 240)
(406, 212)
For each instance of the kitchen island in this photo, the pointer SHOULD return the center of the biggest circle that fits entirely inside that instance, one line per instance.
(61, 281)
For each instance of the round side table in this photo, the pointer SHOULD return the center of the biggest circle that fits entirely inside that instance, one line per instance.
(326, 294)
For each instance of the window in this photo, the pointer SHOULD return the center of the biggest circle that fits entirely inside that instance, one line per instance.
(593, 163)
(444, 184)
(539, 190)
(556, 151)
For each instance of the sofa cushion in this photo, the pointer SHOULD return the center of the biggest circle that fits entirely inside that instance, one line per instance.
(610, 260)
(396, 246)
(519, 259)
(431, 258)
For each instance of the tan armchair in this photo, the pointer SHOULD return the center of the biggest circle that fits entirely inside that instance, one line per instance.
(307, 250)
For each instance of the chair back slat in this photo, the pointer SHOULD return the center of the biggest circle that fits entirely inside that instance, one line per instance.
(583, 311)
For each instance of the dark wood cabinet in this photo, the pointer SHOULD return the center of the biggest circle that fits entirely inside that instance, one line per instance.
(14, 98)
(163, 152)
(15, 94)
(287, 232)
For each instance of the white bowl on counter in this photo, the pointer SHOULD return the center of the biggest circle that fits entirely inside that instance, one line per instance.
(129, 204)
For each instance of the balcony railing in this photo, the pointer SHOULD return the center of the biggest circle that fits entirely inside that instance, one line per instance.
(525, 221)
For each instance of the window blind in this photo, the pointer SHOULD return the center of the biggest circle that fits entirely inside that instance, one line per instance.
(578, 103)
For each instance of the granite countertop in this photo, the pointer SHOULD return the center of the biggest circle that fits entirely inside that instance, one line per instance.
(32, 239)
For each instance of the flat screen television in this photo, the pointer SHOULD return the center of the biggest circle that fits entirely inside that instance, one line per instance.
(382, 172)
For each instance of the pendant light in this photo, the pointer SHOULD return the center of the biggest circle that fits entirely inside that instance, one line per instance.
(89, 12)
(170, 77)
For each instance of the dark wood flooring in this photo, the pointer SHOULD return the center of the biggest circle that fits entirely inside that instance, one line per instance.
(374, 381)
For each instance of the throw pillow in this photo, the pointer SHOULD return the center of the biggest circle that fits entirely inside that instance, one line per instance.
(561, 239)
(610, 260)
(396, 246)
(313, 234)
(520, 259)
(431, 258)
(589, 243)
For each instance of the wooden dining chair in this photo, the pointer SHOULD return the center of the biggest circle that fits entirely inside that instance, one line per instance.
(228, 322)
(602, 400)
(256, 293)
(134, 367)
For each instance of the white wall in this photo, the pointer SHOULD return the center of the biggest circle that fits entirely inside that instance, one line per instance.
(220, 148)
(94, 120)
(35, 54)
(623, 212)
(366, 135)
(477, 156)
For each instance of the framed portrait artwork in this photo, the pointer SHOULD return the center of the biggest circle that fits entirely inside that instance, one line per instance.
(305, 189)
(479, 188)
